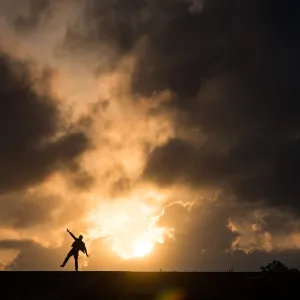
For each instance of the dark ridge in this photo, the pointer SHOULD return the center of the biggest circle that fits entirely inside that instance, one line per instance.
(146, 285)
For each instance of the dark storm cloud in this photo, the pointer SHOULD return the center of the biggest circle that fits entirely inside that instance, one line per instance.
(235, 69)
(32, 256)
(21, 211)
(181, 161)
(28, 121)
(36, 10)
(26, 16)
(226, 36)
(117, 24)
(197, 229)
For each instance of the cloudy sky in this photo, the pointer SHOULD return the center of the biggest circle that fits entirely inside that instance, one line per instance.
(167, 132)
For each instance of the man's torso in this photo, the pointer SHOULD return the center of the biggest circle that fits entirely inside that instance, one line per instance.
(78, 245)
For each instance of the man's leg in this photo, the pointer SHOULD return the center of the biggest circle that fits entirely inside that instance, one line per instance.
(76, 261)
(67, 258)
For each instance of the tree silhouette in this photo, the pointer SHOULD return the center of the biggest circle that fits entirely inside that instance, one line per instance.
(277, 267)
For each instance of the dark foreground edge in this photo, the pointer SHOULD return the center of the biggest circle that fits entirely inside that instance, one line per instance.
(147, 285)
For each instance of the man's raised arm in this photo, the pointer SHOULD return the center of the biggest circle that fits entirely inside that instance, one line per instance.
(72, 235)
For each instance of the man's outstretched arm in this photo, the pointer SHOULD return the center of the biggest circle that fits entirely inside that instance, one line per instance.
(86, 251)
(72, 235)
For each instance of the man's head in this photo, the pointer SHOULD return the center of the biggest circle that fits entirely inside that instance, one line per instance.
(81, 237)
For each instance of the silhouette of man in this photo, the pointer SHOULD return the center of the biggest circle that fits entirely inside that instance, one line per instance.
(78, 245)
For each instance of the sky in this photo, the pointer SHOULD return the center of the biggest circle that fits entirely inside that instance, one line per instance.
(166, 132)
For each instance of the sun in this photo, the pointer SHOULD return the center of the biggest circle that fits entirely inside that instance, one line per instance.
(142, 247)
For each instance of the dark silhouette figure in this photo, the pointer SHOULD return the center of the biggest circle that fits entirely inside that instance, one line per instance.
(78, 245)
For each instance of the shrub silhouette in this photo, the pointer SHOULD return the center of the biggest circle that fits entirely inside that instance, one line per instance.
(277, 267)
(230, 270)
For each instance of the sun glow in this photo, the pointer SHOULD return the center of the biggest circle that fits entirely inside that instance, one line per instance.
(131, 226)
(142, 247)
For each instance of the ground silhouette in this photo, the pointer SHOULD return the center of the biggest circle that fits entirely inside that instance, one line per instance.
(148, 285)
(275, 280)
